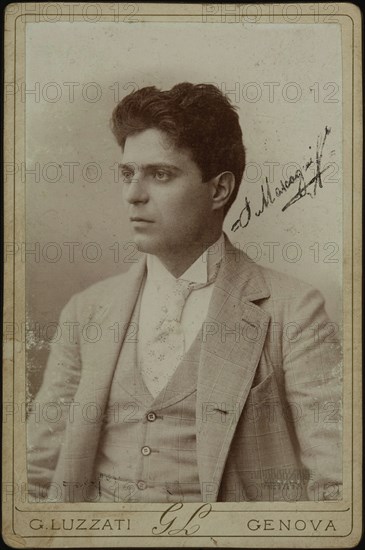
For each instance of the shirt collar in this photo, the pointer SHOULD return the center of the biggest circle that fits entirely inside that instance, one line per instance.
(198, 272)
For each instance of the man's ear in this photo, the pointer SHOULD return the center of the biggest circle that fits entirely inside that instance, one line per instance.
(222, 188)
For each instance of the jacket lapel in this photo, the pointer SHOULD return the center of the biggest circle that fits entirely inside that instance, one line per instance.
(232, 341)
(112, 316)
(99, 359)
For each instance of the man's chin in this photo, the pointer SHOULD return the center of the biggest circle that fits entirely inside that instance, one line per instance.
(145, 244)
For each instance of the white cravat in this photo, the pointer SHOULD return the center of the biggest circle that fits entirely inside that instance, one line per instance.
(171, 314)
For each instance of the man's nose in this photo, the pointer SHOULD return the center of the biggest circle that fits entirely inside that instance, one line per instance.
(136, 190)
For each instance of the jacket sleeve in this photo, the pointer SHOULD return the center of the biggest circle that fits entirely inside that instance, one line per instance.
(52, 407)
(312, 366)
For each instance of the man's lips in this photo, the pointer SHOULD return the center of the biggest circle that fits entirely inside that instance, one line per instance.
(139, 219)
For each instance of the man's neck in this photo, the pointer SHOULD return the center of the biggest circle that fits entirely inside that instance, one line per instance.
(178, 263)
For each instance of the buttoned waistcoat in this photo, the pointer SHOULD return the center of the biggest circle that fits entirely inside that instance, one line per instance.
(268, 375)
(147, 449)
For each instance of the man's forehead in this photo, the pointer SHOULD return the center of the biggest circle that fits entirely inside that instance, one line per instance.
(151, 137)
(148, 144)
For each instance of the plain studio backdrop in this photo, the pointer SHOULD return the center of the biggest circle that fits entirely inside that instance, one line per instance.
(285, 80)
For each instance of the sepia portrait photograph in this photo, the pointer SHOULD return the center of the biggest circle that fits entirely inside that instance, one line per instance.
(180, 258)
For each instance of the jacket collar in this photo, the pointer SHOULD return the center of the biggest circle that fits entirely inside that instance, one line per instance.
(241, 276)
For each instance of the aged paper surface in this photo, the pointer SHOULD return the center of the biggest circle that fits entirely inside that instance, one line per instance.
(263, 448)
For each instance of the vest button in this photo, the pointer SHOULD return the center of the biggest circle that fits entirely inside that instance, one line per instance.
(151, 417)
(146, 451)
(141, 485)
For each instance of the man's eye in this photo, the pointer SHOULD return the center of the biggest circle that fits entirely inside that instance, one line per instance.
(127, 175)
(161, 175)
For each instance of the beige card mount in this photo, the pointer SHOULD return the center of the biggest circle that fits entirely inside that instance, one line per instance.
(244, 430)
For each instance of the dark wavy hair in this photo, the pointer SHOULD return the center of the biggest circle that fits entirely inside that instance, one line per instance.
(199, 118)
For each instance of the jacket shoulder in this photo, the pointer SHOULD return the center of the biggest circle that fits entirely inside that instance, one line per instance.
(292, 299)
(275, 284)
(102, 289)
(102, 294)
(282, 284)
(258, 282)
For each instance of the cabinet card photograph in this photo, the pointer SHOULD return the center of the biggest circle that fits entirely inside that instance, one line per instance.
(182, 275)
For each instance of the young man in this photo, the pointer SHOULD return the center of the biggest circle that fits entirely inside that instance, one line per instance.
(206, 394)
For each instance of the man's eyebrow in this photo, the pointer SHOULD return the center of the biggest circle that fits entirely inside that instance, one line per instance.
(161, 165)
(152, 166)
(126, 166)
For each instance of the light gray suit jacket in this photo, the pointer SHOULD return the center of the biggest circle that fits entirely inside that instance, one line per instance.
(268, 421)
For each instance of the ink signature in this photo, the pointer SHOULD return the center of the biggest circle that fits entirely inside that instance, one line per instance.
(297, 180)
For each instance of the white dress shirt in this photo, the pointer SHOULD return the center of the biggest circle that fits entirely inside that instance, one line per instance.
(196, 305)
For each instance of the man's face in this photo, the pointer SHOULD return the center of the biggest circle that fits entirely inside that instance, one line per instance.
(168, 204)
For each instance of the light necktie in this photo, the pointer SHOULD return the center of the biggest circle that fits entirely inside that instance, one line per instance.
(163, 353)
